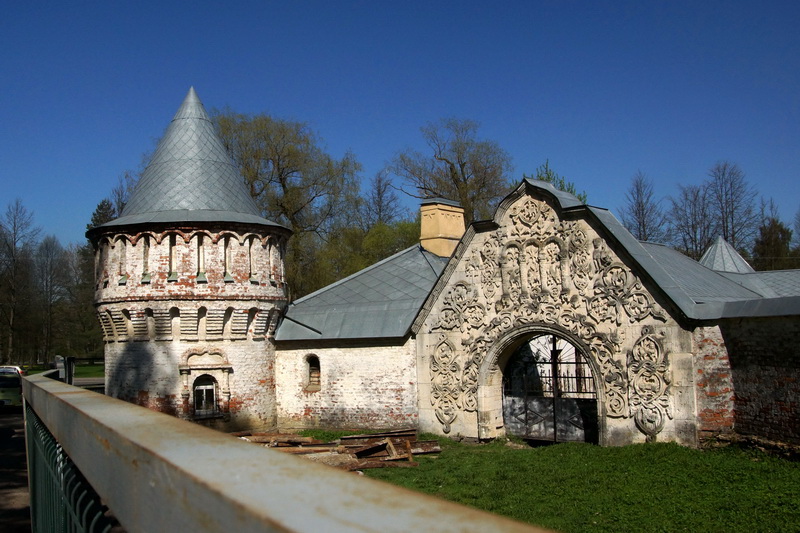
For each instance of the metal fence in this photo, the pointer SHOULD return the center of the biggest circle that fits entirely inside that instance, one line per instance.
(61, 499)
(157, 473)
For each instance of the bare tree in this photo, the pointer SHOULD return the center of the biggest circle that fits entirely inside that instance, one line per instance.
(51, 269)
(692, 224)
(17, 236)
(734, 203)
(458, 167)
(381, 204)
(121, 192)
(797, 230)
(642, 214)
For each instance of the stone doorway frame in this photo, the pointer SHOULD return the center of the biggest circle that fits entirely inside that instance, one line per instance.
(490, 378)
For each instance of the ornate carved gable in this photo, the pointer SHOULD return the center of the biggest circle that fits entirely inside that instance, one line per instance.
(538, 268)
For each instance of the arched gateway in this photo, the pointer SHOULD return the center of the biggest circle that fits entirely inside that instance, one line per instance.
(549, 392)
(538, 328)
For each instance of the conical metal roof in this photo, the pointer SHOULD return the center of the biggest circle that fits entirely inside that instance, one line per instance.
(190, 178)
(723, 257)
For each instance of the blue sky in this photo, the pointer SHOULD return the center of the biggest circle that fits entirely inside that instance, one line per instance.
(601, 89)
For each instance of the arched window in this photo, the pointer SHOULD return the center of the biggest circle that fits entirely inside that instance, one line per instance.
(226, 253)
(205, 396)
(202, 315)
(145, 259)
(201, 260)
(175, 323)
(173, 260)
(314, 382)
(122, 262)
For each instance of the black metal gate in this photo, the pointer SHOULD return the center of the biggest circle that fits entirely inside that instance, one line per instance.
(549, 392)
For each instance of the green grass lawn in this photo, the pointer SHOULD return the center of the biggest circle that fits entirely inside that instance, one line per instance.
(90, 371)
(581, 487)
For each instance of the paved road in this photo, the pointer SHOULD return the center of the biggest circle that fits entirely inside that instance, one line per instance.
(14, 501)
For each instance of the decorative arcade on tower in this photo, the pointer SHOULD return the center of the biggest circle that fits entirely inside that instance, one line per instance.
(189, 285)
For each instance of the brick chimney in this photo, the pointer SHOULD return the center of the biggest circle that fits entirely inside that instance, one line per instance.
(442, 225)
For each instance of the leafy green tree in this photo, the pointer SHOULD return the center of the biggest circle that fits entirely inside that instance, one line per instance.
(294, 182)
(771, 250)
(545, 173)
(104, 212)
(84, 338)
(457, 166)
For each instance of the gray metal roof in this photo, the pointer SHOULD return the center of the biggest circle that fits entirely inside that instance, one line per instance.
(565, 199)
(699, 292)
(769, 284)
(698, 282)
(383, 300)
(190, 178)
(723, 257)
(380, 301)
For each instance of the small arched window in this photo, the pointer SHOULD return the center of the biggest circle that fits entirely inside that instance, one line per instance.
(205, 396)
(314, 382)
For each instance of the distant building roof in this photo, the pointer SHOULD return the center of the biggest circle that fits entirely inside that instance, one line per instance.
(380, 301)
(190, 178)
(723, 257)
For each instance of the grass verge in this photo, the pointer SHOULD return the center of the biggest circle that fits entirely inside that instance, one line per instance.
(581, 487)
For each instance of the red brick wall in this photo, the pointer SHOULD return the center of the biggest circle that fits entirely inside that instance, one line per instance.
(765, 358)
(714, 390)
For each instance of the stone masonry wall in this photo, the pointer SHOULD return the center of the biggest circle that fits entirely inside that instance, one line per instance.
(360, 387)
(765, 358)
(537, 270)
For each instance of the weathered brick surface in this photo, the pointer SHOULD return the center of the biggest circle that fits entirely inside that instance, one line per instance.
(765, 358)
(192, 302)
(714, 389)
(360, 387)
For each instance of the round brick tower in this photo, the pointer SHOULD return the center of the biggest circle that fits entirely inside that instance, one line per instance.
(189, 285)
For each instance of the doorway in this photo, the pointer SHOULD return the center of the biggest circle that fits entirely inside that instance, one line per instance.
(549, 392)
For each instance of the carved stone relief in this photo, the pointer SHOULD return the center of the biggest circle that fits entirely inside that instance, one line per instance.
(533, 270)
(649, 384)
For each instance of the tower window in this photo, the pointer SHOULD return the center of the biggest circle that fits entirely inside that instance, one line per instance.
(173, 274)
(122, 262)
(201, 260)
(145, 259)
(226, 252)
(205, 396)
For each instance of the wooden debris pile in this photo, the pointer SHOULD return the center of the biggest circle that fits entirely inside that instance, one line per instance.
(353, 452)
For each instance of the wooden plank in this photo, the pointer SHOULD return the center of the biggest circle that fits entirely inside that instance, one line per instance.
(363, 465)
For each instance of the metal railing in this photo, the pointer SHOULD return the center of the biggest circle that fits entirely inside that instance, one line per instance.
(157, 473)
(62, 500)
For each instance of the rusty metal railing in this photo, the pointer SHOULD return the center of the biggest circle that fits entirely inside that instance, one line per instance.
(158, 473)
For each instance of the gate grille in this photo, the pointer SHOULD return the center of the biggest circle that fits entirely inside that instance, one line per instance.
(549, 392)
